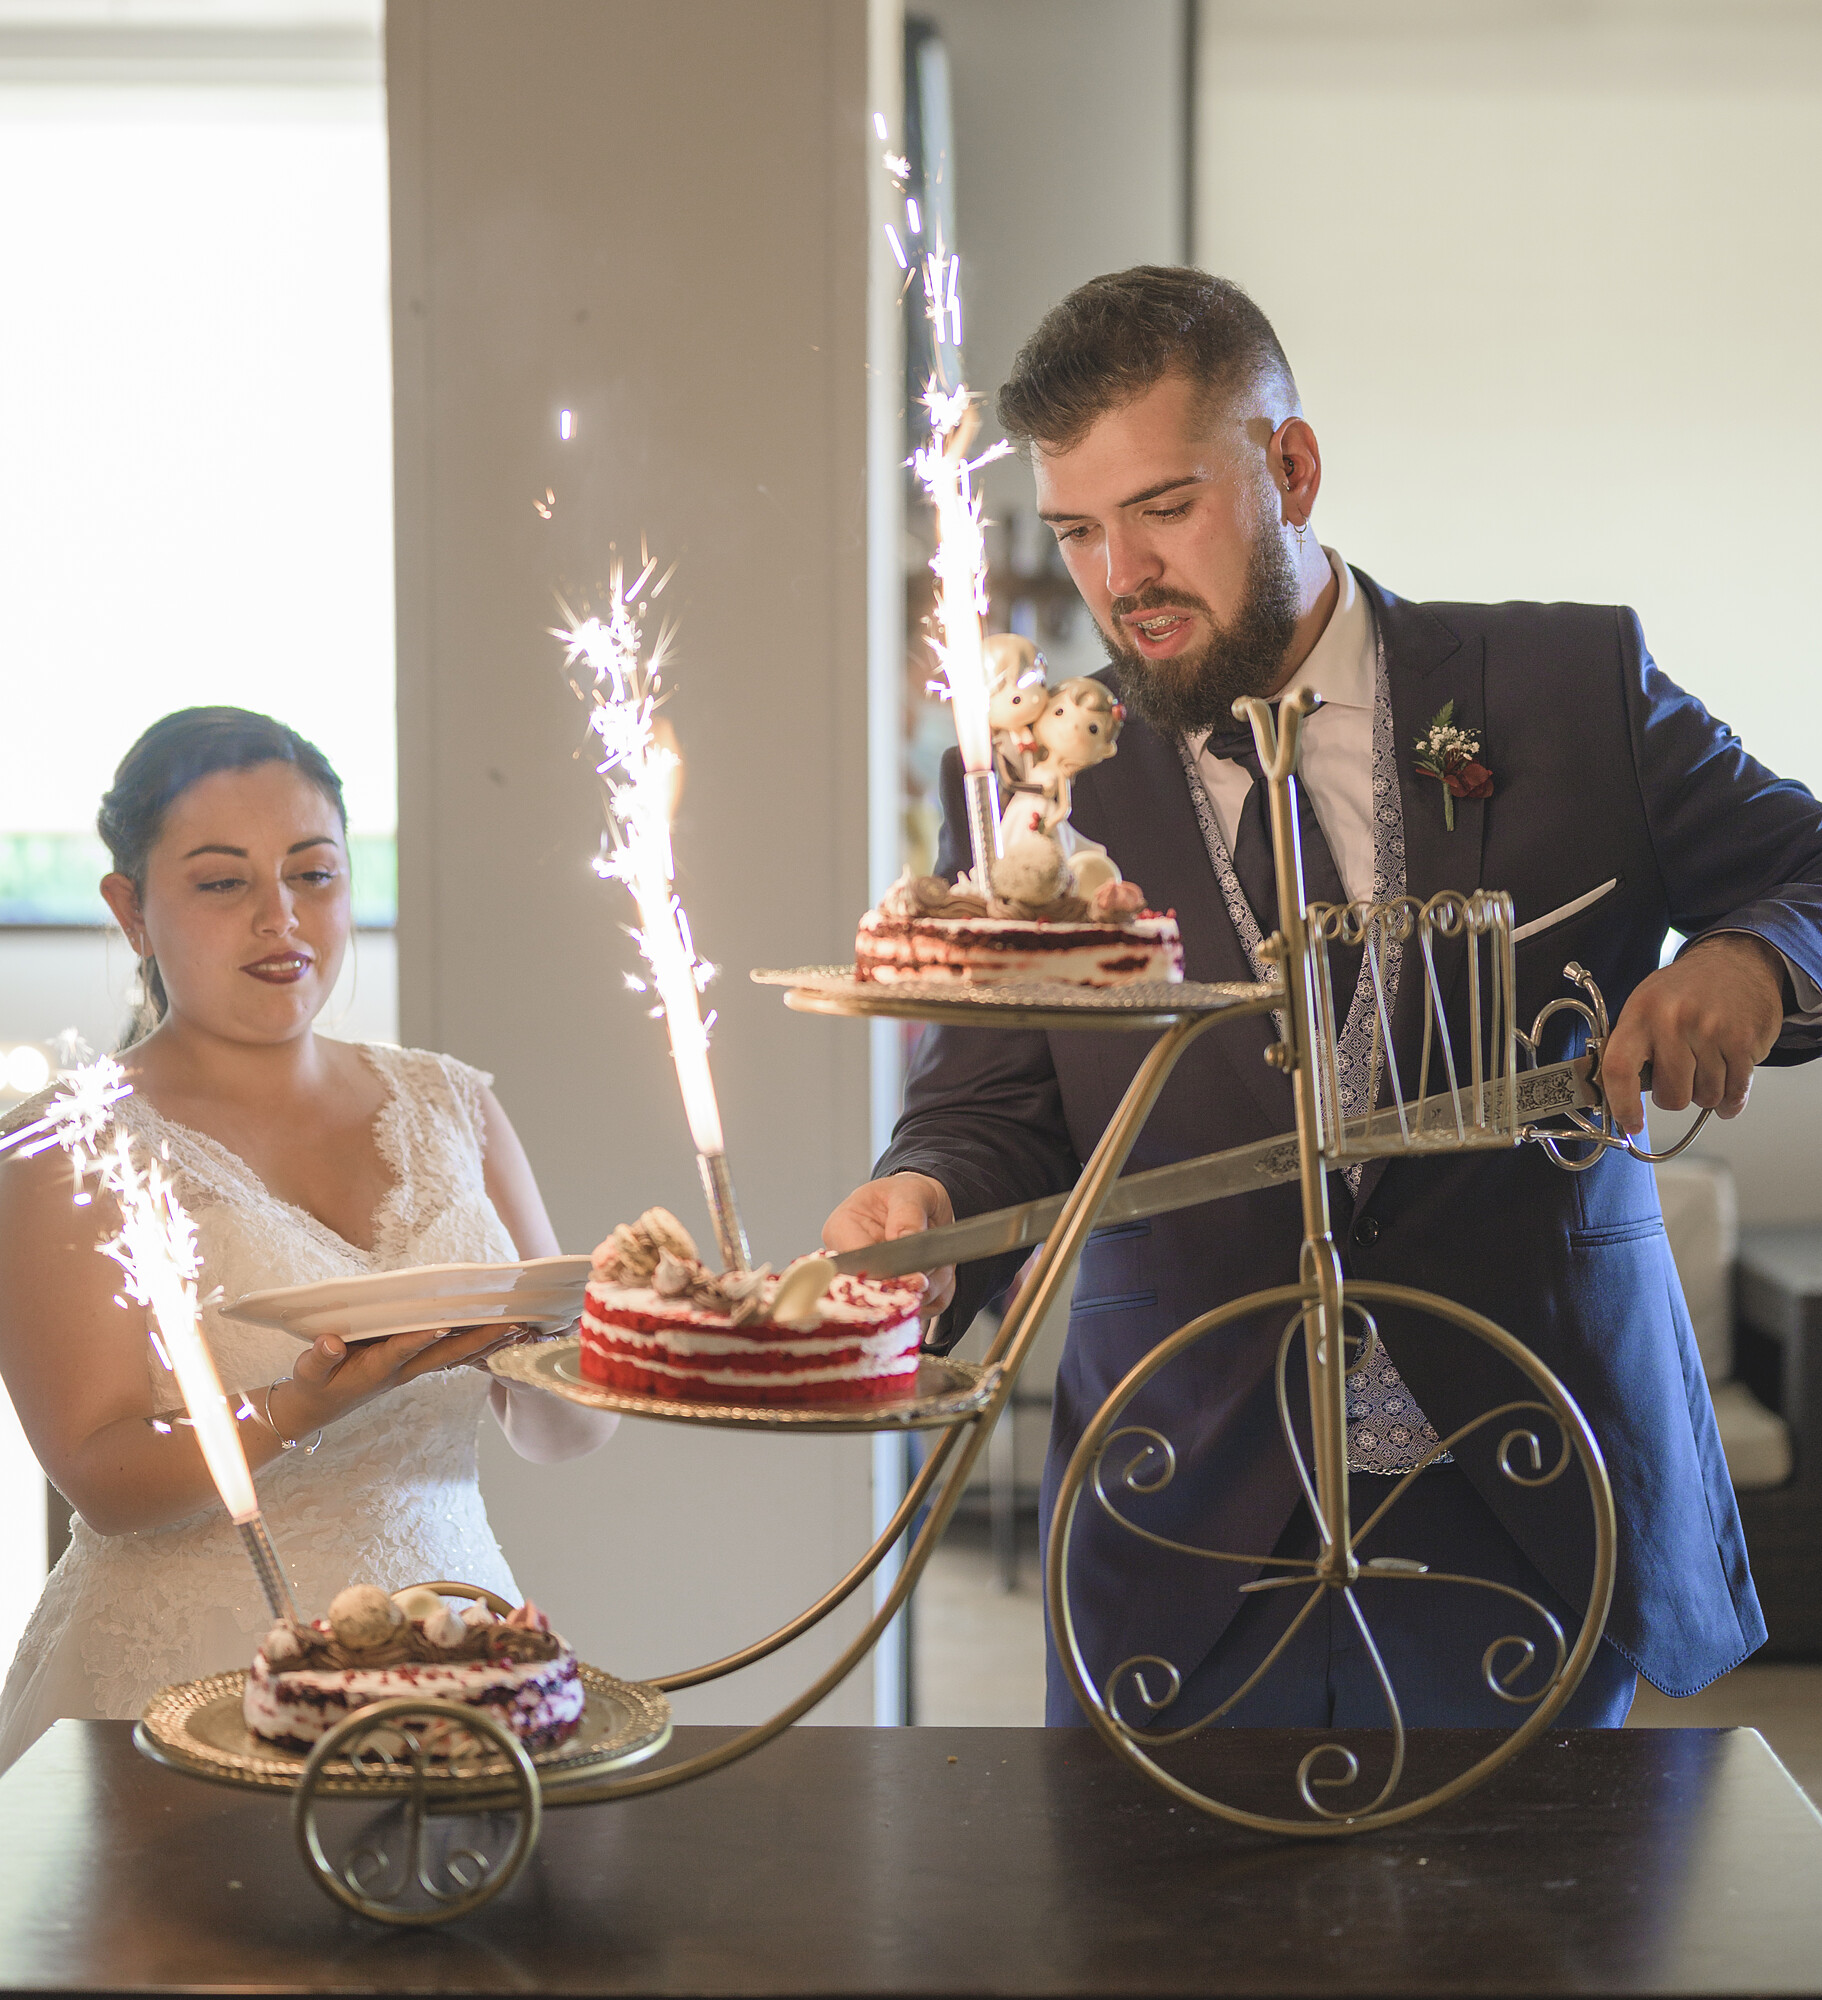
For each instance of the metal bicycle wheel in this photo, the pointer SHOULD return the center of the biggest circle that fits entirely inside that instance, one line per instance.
(1153, 1466)
(397, 1870)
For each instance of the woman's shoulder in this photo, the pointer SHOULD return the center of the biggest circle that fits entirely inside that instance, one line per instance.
(420, 1075)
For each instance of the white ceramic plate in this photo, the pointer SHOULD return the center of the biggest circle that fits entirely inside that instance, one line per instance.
(545, 1292)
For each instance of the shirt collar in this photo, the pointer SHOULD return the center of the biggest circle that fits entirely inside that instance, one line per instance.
(1343, 661)
(1340, 665)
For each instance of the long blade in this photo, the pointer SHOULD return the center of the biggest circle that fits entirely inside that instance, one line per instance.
(1265, 1163)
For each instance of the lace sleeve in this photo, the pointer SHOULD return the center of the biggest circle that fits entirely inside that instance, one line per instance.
(465, 1086)
(16, 1115)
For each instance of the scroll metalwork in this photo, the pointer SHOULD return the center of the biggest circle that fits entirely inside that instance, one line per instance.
(1531, 1668)
(407, 1866)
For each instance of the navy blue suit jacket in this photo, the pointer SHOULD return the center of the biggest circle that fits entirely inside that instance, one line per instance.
(1602, 768)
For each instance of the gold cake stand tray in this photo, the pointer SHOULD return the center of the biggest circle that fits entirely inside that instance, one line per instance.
(1142, 1004)
(196, 1727)
(947, 1392)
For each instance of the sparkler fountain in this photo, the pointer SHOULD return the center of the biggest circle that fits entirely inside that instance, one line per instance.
(641, 775)
(155, 1247)
(946, 473)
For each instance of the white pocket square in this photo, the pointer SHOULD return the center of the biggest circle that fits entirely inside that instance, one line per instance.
(1563, 912)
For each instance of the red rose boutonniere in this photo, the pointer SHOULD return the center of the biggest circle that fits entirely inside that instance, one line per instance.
(1451, 757)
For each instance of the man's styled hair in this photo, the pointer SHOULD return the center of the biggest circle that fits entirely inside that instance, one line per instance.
(1115, 337)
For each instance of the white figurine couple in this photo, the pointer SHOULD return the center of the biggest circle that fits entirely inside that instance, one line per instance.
(1044, 738)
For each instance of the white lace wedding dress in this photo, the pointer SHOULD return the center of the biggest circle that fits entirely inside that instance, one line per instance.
(390, 1497)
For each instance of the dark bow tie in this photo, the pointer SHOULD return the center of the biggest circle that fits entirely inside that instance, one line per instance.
(1252, 856)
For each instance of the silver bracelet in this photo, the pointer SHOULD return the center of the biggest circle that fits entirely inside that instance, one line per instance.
(307, 1446)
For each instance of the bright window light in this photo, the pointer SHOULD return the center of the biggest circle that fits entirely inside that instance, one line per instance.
(195, 431)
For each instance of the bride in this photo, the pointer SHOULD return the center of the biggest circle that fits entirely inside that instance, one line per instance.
(299, 1158)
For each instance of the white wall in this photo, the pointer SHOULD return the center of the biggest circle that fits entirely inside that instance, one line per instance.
(1549, 278)
(656, 216)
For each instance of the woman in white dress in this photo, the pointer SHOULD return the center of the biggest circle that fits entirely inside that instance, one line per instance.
(299, 1158)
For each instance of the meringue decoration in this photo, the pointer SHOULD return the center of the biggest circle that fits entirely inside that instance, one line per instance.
(363, 1617)
(801, 1286)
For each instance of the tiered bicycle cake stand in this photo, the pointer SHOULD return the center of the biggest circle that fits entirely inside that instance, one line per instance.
(460, 1801)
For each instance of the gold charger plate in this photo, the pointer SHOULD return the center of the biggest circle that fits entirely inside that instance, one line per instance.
(947, 1392)
(1140, 1004)
(196, 1727)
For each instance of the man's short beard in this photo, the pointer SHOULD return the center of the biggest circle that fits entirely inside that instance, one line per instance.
(1197, 691)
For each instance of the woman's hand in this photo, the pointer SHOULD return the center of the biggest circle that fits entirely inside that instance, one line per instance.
(332, 1378)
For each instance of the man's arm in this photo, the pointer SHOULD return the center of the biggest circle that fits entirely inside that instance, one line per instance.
(1740, 853)
(982, 1127)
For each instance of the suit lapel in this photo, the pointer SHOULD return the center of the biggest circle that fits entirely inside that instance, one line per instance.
(1138, 806)
(1427, 665)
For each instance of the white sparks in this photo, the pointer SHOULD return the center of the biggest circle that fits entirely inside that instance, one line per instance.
(642, 774)
(77, 1116)
(879, 124)
(156, 1248)
(947, 473)
(898, 249)
(566, 425)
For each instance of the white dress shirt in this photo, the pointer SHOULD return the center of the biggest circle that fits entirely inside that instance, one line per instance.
(1336, 768)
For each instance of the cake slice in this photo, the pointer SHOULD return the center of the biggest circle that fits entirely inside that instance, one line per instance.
(657, 1322)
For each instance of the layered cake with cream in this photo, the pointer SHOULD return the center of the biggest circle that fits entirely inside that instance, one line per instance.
(308, 1677)
(657, 1322)
(1034, 926)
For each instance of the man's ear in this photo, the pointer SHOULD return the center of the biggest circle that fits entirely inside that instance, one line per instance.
(1294, 461)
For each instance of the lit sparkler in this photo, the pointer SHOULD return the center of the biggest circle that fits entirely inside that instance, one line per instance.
(76, 1117)
(155, 1247)
(946, 473)
(641, 773)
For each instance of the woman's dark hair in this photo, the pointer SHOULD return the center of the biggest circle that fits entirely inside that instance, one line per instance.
(165, 762)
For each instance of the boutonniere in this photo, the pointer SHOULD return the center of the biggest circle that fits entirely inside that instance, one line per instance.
(1451, 756)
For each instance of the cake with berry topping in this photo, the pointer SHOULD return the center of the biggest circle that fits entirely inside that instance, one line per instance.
(306, 1678)
(657, 1323)
(1036, 925)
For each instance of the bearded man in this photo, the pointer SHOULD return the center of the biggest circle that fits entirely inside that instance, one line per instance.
(1175, 465)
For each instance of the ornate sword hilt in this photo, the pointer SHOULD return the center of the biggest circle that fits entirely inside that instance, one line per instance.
(1604, 1136)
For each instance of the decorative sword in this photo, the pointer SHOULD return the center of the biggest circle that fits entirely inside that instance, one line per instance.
(1541, 1093)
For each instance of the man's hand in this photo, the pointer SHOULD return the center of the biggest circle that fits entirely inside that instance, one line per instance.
(882, 1211)
(1702, 1023)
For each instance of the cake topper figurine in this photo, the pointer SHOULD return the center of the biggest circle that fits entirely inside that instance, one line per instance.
(1077, 727)
(642, 775)
(1016, 697)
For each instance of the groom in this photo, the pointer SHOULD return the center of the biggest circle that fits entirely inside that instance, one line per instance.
(1176, 468)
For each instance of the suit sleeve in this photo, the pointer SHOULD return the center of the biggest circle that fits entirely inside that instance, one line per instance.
(1738, 848)
(983, 1113)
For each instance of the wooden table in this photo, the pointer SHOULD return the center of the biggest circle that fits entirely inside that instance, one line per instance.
(957, 1861)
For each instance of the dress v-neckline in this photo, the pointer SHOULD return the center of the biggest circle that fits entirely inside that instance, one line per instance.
(385, 1143)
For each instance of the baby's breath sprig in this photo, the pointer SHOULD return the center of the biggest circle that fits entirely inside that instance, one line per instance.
(1451, 755)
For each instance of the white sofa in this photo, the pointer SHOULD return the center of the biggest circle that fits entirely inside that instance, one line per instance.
(1702, 1221)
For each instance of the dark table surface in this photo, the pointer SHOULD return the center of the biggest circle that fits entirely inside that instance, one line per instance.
(1019, 1862)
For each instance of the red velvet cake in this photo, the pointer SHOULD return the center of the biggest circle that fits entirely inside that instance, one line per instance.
(656, 1322)
(1034, 927)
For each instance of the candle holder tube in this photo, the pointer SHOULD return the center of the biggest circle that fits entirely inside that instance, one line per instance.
(724, 1211)
(981, 789)
(264, 1558)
